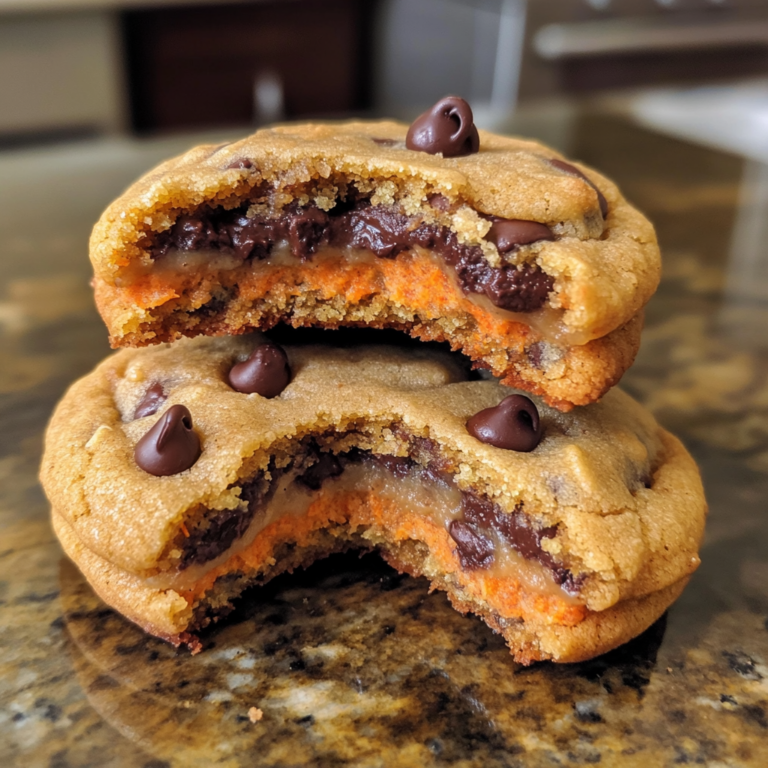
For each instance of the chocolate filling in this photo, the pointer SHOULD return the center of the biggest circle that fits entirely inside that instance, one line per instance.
(516, 529)
(475, 546)
(381, 230)
(327, 465)
(222, 528)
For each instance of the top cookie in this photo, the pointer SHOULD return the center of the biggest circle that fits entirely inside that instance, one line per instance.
(334, 224)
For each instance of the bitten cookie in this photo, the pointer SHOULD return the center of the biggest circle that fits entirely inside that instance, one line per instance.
(181, 474)
(535, 268)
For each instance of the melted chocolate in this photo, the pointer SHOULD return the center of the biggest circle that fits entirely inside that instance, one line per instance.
(508, 234)
(475, 546)
(222, 528)
(517, 530)
(327, 465)
(427, 453)
(266, 372)
(381, 230)
(153, 398)
(232, 232)
(386, 233)
(399, 466)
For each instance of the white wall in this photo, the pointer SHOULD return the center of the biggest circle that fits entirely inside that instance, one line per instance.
(60, 71)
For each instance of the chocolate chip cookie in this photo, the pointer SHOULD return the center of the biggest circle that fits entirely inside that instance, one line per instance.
(536, 268)
(181, 474)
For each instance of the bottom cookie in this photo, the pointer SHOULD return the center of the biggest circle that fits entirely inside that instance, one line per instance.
(174, 491)
(162, 613)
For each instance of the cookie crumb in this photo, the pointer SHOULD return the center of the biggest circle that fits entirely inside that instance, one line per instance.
(255, 714)
(135, 373)
(97, 437)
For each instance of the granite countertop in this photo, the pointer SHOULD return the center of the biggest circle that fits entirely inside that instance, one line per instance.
(350, 663)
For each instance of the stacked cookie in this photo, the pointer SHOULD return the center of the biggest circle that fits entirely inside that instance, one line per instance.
(210, 457)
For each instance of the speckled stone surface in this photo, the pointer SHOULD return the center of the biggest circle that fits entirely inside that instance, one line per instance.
(351, 664)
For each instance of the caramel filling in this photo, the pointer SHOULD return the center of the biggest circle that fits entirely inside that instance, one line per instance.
(415, 278)
(386, 499)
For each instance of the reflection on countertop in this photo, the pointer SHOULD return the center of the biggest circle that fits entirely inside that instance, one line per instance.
(350, 663)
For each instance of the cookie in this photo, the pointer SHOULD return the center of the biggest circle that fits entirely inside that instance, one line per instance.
(181, 474)
(535, 268)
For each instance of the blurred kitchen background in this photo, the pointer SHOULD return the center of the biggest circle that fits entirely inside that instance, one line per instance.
(73, 68)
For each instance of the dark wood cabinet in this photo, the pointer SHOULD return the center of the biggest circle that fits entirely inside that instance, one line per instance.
(199, 66)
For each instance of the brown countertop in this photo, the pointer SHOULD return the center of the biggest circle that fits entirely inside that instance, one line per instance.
(350, 663)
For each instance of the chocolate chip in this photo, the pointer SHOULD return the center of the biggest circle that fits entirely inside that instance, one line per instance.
(306, 230)
(508, 234)
(266, 372)
(574, 171)
(475, 550)
(381, 230)
(447, 128)
(230, 232)
(170, 446)
(516, 527)
(153, 398)
(193, 233)
(248, 238)
(219, 529)
(513, 424)
(385, 142)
